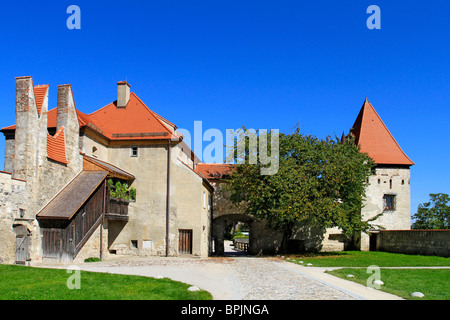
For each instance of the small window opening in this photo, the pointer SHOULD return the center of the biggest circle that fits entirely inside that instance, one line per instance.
(389, 202)
(390, 184)
(94, 151)
(134, 151)
(134, 244)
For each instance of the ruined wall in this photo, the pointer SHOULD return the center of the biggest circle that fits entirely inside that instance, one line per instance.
(44, 177)
(9, 153)
(11, 203)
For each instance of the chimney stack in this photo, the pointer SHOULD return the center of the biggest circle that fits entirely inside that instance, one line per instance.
(123, 94)
(27, 129)
(66, 116)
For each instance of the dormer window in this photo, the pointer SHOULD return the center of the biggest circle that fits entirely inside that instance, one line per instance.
(134, 151)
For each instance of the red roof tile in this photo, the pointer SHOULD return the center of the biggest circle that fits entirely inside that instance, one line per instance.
(135, 122)
(39, 94)
(375, 139)
(51, 119)
(214, 170)
(56, 146)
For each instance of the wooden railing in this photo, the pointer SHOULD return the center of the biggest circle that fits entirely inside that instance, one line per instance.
(241, 244)
(117, 209)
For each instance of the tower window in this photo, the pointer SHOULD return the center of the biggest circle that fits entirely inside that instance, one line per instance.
(94, 151)
(389, 202)
(134, 151)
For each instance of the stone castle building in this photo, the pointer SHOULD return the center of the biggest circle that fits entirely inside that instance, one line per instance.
(59, 191)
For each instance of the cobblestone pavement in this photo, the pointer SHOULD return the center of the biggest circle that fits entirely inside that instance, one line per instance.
(232, 278)
(269, 279)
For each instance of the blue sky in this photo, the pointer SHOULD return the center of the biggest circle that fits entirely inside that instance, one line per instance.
(261, 64)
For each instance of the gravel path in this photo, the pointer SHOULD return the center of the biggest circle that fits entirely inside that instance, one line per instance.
(246, 278)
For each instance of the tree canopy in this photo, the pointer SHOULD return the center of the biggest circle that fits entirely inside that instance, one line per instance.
(318, 181)
(434, 214)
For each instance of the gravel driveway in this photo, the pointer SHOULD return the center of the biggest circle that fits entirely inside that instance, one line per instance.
(247, 278)
(241, 277)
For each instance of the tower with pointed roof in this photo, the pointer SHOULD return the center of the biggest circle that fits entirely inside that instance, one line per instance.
(388, 190)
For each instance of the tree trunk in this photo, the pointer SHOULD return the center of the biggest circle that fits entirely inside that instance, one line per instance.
(287, 233)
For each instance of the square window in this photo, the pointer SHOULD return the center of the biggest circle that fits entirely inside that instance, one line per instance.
(134, 151)
(134, 244)
(389, 202)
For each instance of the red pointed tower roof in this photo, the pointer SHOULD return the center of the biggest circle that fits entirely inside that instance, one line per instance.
(375, 139)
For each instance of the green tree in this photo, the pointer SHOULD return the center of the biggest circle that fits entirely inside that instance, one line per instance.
(321, 182)
(434, 214)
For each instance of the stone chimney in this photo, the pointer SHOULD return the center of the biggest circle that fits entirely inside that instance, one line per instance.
(123, 94)
(66, 116)
(43, 110)
(27, 126)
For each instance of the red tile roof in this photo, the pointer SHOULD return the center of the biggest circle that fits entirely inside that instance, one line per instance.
(135, 122)
(56, 146)
(375, 139)
(51, 119)
(39, 94)
(214, 170)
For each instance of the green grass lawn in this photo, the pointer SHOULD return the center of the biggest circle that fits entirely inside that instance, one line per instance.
(368, 258)
(433, 283)
(27, 283)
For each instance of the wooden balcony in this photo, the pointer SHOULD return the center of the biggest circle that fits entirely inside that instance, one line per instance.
(117, 209)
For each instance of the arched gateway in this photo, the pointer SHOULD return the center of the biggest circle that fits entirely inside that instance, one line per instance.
(261, 239)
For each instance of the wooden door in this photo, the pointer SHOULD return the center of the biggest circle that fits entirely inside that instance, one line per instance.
(185, 241)
(22, 244)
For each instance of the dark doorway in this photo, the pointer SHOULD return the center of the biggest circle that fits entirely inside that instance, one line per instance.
(373, 242)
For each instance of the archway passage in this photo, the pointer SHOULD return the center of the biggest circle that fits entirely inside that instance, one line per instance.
(225, 229)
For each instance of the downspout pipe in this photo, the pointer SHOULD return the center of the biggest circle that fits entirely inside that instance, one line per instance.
(168, 199)
(103, 218)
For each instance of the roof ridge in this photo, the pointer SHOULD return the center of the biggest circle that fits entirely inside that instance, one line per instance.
(152, 113)
(365, 131)
(389, 132)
